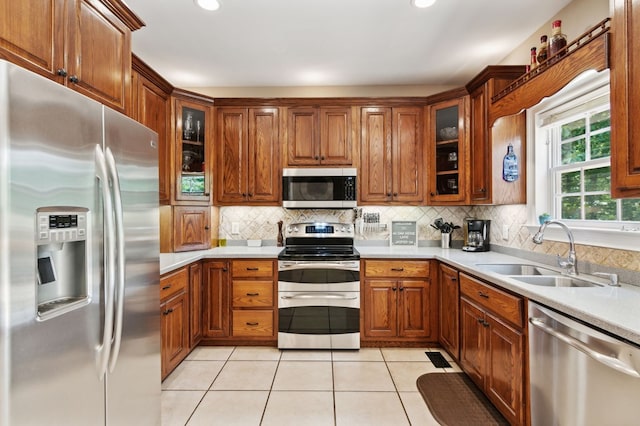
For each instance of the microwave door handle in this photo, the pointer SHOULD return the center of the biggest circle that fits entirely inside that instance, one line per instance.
(104, 349)
(119, 288)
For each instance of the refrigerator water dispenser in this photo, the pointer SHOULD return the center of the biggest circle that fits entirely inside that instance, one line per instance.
(62, 255)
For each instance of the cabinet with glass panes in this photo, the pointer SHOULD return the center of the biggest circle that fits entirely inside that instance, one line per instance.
(192, 154)
(447, 151)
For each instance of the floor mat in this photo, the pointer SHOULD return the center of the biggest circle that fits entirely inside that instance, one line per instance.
(438, 360)
(454, 400)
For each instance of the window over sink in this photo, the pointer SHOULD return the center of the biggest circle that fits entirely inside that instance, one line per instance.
(571, 150)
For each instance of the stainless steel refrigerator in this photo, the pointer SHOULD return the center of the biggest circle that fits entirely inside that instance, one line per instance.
(79, 259)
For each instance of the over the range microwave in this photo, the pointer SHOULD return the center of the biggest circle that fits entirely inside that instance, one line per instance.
(319, 188)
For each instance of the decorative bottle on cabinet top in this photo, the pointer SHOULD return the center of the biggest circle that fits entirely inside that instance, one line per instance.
(534, 61)
(558, 40)
(542, 50)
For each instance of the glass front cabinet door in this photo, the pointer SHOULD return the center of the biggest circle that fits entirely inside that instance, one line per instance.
(447, 151)
(193, 146)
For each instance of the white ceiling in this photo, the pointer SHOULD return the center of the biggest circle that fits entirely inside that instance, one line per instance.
(254, 43)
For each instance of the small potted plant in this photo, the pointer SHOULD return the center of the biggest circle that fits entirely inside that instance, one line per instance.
(446, 228)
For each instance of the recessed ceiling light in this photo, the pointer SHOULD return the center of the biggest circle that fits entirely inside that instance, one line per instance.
(208, 4)
(422, 3)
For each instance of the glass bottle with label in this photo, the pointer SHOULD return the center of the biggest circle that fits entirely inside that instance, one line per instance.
(542, 50)
(510, 165)
(558, 40)
(534, 60)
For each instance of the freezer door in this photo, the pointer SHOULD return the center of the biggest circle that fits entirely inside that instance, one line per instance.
(47, 138)
(133, 380)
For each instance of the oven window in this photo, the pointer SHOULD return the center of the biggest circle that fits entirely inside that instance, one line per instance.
(318, 276)
(319, 320)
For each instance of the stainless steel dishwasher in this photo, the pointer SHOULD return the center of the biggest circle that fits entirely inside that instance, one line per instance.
(580, 375)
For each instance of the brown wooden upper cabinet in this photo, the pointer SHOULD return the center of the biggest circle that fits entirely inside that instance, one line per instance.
(247, 151)
(193, 143)
(151, 106)
(489, 144)
(448, 146)
(625, 103)
(319, 136)
(191, 228)
(391, 162)
(83, 44)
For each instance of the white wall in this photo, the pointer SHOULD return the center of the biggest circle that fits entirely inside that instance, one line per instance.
(577, 17)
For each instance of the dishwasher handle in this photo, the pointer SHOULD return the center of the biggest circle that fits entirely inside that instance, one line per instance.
(607, 360)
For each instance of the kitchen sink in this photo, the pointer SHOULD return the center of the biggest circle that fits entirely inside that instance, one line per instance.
(517, 269)
(557, 281)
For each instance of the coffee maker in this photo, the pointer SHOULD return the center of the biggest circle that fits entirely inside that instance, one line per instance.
(476, 234)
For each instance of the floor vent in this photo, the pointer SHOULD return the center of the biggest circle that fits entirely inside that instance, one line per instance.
(438, 360)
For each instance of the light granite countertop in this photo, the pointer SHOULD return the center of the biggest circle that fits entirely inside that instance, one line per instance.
(613, 309)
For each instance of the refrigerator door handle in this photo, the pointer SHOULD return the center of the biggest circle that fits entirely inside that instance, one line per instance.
(119, 288)
(104, 349)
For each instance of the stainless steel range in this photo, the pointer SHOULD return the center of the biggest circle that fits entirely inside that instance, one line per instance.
(319, 288)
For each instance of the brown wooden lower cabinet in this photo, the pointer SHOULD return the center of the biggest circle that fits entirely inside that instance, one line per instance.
(492, 344)
(449, 297)
(195, 304)
(399, 302)
(239, 302)
(174, 324)
(216, 299)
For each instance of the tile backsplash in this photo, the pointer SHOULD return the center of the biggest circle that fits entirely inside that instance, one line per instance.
(260, 223)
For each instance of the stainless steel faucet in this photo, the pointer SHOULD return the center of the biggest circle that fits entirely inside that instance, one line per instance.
(570, 264)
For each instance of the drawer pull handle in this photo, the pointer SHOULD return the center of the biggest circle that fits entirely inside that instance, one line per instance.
(483, 322)
(454, 279)
(167, 312)
(253, 269)
(481, 294)
(166, 287)
(252, 324)
(253, 294)
(401, 288)
(397, 269)
(393, 288)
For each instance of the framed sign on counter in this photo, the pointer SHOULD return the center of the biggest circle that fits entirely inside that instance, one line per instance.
(404, 233)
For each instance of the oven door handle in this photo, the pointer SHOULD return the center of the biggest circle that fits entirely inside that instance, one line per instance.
(350, 266)
(319, 296)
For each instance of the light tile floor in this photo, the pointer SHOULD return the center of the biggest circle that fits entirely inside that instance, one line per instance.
(249, 386)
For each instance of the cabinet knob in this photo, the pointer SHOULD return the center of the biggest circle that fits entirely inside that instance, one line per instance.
(388, 194)
(244, 194)
(224, 269)
(316, 157)
(454, 279)
(395, 194)
(401, 288)
(74, 79)
(483, 190)
(250, 195)
(61, 72)
(322, 158)
(433, 194)
(393, 288)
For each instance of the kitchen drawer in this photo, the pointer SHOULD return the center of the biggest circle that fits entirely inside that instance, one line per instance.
(252, 268)
(173, 282)
(254, 323)
(396, 269)
(252, 294)
(505, 305)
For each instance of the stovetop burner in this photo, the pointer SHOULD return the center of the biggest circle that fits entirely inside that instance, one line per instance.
(319, 241)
